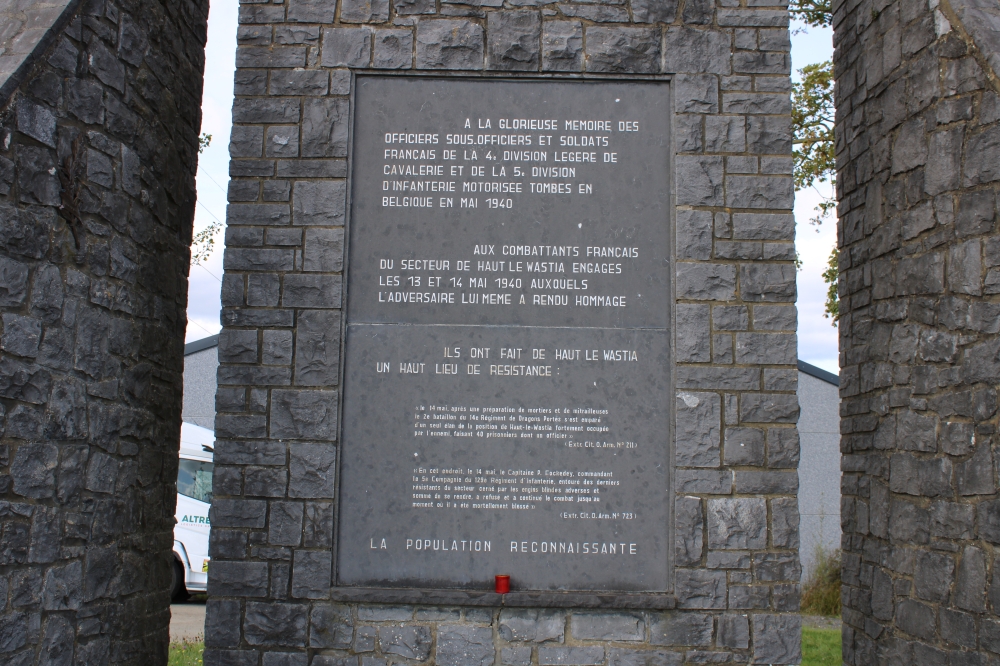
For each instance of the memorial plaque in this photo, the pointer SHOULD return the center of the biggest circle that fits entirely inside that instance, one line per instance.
(507, 400)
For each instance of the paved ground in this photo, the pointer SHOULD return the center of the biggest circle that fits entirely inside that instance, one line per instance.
(817, 621)
(187, 621)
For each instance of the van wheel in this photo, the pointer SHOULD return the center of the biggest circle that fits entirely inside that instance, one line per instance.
(178, 592)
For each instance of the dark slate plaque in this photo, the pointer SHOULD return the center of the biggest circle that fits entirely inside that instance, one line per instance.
(507, 356)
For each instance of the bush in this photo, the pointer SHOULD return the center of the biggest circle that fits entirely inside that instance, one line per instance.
(821, 593)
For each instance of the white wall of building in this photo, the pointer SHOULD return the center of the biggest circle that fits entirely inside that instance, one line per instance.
(819, 468)
(199, 383)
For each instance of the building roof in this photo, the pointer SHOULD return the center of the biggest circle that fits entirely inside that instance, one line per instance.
(201, 345)
(819, 373)
(809, 369)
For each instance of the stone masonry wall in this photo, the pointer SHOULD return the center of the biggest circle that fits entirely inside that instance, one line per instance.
(918, 161)
(736, 582)
(98, 151)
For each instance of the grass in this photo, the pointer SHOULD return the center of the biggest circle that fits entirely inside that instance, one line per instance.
(185, 654)
(821, 647)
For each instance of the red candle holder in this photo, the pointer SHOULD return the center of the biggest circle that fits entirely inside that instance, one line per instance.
(503, 584)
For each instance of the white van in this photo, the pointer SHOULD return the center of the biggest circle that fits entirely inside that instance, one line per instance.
(194, 497)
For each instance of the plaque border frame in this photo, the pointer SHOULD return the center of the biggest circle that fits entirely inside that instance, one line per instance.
(435, 596)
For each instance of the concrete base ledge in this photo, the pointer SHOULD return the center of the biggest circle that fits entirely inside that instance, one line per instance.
(511, 600)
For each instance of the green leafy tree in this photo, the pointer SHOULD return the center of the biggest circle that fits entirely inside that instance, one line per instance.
(813, 143)
(203, 243)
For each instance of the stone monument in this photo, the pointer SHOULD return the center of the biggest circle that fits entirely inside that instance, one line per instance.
(918, 159)
(508, 290)
(100, 106)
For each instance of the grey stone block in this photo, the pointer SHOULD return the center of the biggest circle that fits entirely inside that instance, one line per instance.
(696, 588)
(692, 51)
(759, 192)
(449, 44)
(324, 129)
(777, 639)
(965, 268)
(692, 326)
(916, 618)
(706, 282)
(317, 530)
(607, 626)
(688, 530)
(515, 656)
(730, 318)
(513, 40)
(324, 250)
(562, 46)
(733, 379)
(410, 7)
(282, 141)
(681, 629)
(580, 656)
(911, 523)
(958, 627)
(737, 524)
(364, 639)
(311, 571)
(975, 476)
(364, 11)
(705, 481)
(299, 82)
(933, 576)
(310, 11)
(698, 423)
(744, 446)
(346, 47)
(534, 626)
(766, 348)
(275, 624)
(982, 149)
(319, 202)
(21, 335)
(734, 631)
(769, 408)
(766, 483)
(914, 476)
(623, 657)
(763, 226)
(969, 592)
(699, 181)
(408, 642)
(311, 469)
(385, 613)
(311, 291)
(952, 520)
(393, 49)
(975, 213)
(459, 645)
(694, 234)
(296, 34)
(284, 525)
(251, 110)
(635, 50)
(291, 659)
(726, 134)
(767, 283)
(238, 579)
(222, 623)
(317, 351)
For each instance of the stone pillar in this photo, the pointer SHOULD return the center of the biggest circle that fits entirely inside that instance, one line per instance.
(735, 594)
(98, 152)
(918, 160)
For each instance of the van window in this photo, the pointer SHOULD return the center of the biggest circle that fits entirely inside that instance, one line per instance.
(194, 479)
